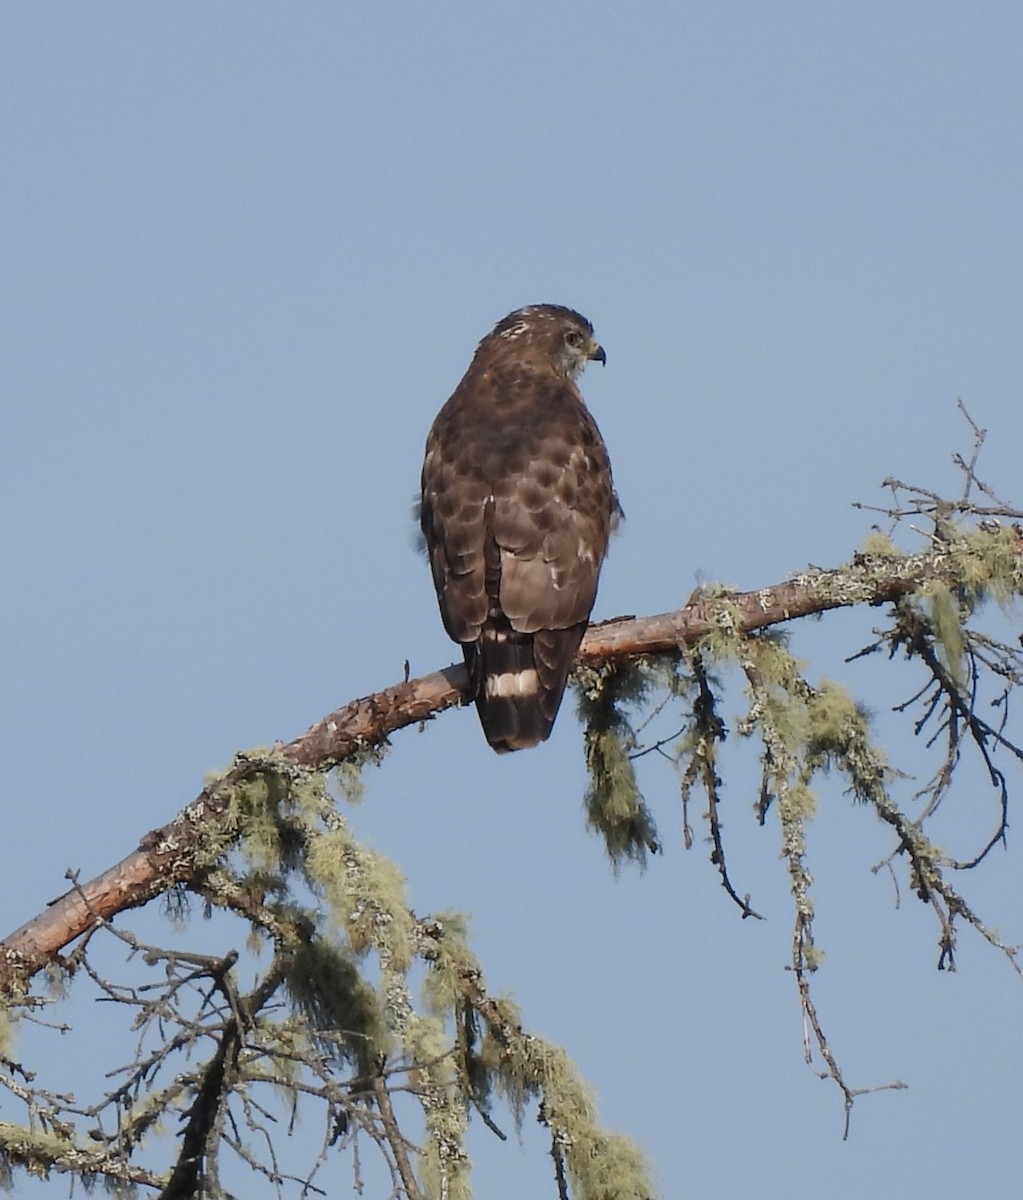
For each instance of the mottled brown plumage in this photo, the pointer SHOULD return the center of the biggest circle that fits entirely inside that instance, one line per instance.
(517, 509)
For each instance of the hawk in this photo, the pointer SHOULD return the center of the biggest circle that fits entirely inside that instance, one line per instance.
(517, 508)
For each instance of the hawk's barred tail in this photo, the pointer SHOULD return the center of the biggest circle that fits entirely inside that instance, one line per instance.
(518, 681)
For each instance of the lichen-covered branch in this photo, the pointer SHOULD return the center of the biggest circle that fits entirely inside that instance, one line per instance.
(807, 730)
(200, 834)
(223, 1062)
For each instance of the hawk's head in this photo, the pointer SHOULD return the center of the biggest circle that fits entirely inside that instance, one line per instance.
(560, 336)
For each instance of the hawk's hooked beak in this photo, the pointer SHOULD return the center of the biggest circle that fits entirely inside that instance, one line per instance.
(596, 353)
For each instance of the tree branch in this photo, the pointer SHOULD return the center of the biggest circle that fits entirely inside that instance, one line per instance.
(171, 854)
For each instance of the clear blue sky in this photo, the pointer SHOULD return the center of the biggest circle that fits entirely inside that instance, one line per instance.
(247, 253)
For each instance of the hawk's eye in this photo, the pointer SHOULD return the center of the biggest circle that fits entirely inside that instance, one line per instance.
(574, 338)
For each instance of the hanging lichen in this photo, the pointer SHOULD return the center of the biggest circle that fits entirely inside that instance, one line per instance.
(615, 808)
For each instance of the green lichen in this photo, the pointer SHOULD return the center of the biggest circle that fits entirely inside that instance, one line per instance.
(615, 808)
(451, 961)
(36, 1150)
(601, 1165)
(325, 984)
(946, 624)
(366, 893)
(879, 545)
(989, 563)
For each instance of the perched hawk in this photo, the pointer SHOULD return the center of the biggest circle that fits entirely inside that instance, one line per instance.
(517, 508)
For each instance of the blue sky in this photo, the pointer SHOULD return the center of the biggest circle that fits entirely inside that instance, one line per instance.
(248, 251)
